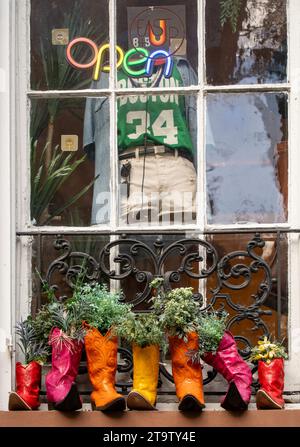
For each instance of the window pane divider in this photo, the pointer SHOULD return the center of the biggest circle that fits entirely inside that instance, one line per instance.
(43, 94)
(247, 88)
(158, 229)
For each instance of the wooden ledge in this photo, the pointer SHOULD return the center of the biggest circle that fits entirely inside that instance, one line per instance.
(208, 418)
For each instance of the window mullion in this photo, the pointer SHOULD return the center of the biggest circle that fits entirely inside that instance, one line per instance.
(201, 119)
(113, 115)
(22, 111)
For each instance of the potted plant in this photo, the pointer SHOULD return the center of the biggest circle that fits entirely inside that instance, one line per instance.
(60, 324)
(101, 311)
(144, 333)
(66, 340)
(270, 358)
(28, 374)
(178, 312)
(217, 348)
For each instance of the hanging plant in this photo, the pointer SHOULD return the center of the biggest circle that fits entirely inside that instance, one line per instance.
(230, 10)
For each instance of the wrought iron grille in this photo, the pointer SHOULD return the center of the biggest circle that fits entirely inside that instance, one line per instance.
(217, 281)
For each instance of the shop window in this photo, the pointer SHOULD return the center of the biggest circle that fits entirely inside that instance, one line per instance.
(184, 132)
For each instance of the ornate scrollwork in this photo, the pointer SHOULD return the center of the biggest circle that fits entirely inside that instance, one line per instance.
(197, 259)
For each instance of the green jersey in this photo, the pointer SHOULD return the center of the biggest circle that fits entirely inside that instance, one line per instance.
(160, 119)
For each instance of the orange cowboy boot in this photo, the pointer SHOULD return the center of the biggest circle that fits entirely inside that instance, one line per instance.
(187, 375)
(101, 352)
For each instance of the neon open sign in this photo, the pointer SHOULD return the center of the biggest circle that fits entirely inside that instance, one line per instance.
(133, 66)
(139, 61)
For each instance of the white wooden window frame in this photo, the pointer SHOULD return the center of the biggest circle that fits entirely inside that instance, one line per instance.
(21, 115)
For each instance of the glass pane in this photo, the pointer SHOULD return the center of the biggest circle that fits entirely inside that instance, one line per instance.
(157, 140)
(247, 158)
(66, 155)
(66, 36)
(267, 312)
(246, 41)
(83, 255)
(136, 285)
(157, 41)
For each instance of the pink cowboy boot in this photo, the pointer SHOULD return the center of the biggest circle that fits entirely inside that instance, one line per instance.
(62, 393)
(235, 370)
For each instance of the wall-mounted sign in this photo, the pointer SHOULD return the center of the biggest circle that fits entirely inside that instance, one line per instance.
(60, 36)
(69, 143)
(157, 26)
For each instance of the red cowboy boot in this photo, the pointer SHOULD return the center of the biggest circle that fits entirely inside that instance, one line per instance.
(271, 379)
(62, 393)
(235, 370)
(28, 379)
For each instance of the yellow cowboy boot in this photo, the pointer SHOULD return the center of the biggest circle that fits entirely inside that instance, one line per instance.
(145, 378)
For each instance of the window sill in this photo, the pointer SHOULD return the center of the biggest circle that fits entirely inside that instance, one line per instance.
(166, 416)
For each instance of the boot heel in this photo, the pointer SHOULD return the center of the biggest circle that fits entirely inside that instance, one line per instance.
(233, 400)
(51, 406)
(71, 402)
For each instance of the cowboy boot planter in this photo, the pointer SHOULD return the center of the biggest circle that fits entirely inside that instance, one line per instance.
(271, 379)
(145, 378)
(186, 374)
(26, 396)
(101, 352)
(235, 370)
(61, 389)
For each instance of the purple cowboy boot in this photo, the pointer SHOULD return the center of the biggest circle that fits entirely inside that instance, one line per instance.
(62, 393)
(235, 370)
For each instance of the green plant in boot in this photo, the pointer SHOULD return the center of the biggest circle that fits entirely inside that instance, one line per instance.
(177, 311)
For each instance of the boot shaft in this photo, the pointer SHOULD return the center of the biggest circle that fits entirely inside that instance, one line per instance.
(186, 374)
(66, 355)
(28, 380)
(228, 362)
(181, 362)
(271, 378)
(145, 367)
(101, 352)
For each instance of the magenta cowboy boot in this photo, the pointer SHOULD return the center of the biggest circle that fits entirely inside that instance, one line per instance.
(235, 370)
(61, 389)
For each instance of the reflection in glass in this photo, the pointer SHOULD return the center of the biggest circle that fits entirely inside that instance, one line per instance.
(54, 25)
(62, 176)
(246, 41)
(157, 153)
(246, 155)
(47, 251)
(246, 294)
(153, 34)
